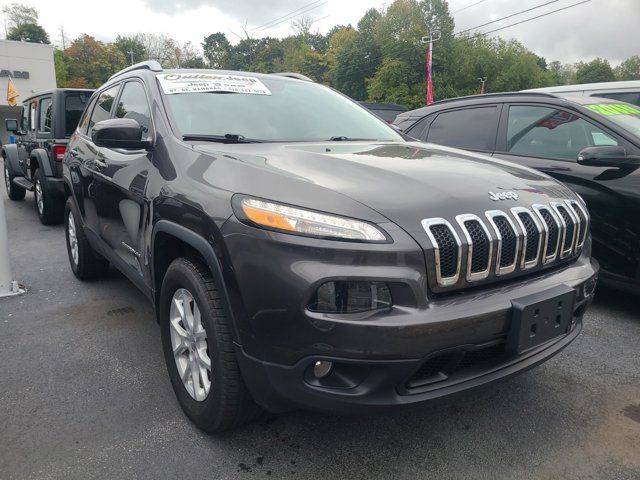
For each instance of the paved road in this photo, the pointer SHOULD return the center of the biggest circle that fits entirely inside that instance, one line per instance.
(84, 394)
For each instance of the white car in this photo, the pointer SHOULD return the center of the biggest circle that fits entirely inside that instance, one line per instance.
(628, 92)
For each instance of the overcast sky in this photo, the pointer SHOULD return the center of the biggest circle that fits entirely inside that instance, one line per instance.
(604, 28)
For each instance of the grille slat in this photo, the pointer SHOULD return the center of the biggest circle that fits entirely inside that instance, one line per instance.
(544, 234)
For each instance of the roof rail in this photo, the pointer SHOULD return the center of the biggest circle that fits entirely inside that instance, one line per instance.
(295, 75)
(152, 65)
(497, 94)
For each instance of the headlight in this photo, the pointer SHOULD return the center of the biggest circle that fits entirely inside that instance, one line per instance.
(306, 222)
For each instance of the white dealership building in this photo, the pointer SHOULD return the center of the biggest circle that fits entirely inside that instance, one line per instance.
(31, 68)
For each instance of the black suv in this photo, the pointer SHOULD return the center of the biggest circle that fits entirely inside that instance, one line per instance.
(299, 252)
(34, 161)
(591, 144)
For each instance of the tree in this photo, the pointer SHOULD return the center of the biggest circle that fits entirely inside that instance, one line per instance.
(90, 62)
(392, 83)
(29, 32)
(598, 70)
(217, 49)
(629, 69)
(62, 76)
(131, 47)
(560, 74)
(17, 15)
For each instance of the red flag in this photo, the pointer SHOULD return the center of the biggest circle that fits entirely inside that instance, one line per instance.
(429, 80)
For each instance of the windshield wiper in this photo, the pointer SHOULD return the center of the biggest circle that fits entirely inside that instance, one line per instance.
(342, 138)
(227, 138)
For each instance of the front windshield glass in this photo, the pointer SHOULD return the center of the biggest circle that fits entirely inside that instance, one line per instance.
(623, 114)
(292, 110)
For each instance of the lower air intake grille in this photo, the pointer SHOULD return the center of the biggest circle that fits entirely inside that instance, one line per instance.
(448, 250)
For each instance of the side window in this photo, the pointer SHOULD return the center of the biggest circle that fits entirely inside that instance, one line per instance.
(84, 122)
(419, 129)
(44, 120)
(133, 104)
(473, 128)
(629, 97)
(25, 118)
(551, 133)
(32, 116)
(102, 110)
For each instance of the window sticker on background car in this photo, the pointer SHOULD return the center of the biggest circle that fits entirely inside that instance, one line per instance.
(173, 83)
(614, 109)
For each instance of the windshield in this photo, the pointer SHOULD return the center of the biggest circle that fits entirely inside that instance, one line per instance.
(280, 110)
(623, 114)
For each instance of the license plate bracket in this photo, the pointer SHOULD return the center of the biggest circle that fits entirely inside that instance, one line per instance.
(540, 317)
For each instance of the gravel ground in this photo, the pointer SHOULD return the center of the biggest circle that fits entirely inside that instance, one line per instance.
(84, 394)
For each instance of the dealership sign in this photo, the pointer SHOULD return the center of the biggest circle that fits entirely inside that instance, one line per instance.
(14, 74)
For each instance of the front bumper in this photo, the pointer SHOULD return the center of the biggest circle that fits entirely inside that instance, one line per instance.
(377, 353)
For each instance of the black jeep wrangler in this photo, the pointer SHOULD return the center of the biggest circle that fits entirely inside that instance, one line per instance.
(300, 252)
(34, 161)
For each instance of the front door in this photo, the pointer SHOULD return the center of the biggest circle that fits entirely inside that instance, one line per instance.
(119, 186)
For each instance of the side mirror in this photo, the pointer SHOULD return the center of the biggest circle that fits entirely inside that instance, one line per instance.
(123, 133)
(610, 156)
(11, 124)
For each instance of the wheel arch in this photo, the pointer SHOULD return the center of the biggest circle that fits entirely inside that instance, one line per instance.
(42, 162)
(180, 241)
(10, 153)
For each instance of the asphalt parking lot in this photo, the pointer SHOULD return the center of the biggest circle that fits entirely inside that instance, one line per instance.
(84, 394)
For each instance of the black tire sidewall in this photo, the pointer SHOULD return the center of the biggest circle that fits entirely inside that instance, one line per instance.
(181, 275)
(14, 192)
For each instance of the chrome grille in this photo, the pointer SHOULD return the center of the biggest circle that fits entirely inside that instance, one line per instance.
(506, 241)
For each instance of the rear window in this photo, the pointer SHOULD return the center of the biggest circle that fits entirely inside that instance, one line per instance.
(473, 128)
(73, 107)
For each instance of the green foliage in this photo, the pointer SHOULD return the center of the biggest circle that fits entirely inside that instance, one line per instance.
(28, 32)
(132, 48)
(61, 68)
(598, 70)
(90, 63)
(629, 69)
(381, 59)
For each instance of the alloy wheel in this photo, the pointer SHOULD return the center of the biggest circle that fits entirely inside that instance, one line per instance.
(189, 344)
(73, 238)
(39, 199)
(7, 179)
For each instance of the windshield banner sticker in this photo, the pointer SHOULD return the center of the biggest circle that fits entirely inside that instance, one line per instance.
(614, 109)
(173, 83)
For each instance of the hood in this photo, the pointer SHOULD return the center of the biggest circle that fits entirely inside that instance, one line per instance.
(404, 182)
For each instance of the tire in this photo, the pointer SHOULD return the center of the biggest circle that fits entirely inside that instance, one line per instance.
(14, 192)
(227, 403)
(84, 261)
(49, 209)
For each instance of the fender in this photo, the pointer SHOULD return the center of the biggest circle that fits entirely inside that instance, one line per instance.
(205, 249)
(40, 156)
(11, 154)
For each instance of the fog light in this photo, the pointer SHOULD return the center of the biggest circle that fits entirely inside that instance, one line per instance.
(350, 297)
(322, 369)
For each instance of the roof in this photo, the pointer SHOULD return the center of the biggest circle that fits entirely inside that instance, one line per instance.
(54, 90)
(588, 86)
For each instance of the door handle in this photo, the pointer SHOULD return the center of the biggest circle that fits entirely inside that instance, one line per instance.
(74, 152)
